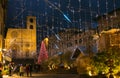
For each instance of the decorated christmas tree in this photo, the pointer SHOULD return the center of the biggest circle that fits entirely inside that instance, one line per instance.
(43, 54)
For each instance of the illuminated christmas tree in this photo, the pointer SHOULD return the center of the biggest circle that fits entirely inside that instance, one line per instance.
(43, 54)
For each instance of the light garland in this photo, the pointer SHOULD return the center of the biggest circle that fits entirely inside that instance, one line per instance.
(55, 17)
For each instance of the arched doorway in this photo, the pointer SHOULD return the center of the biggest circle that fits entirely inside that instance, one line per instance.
(15, 49)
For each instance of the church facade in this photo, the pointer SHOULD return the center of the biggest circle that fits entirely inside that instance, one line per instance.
(21, 43)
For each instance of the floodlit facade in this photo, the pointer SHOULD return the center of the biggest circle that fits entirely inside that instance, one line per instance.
(108, 39)
(109, 31)
(2, 25)
(21, 43)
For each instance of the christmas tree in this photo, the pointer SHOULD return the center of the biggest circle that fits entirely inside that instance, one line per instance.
(43, 54)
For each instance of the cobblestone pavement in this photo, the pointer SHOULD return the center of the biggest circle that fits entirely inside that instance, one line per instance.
(44, 76)
(40, 75)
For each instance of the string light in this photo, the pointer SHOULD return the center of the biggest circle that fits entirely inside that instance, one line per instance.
(114, 4)
(46, 21)
(106, 13)
(90, 14)
(71, 16)
(98, 7)
(80, 13)
(115, 14)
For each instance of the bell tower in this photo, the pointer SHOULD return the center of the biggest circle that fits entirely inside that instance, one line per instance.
(31, 22)
(31, 27)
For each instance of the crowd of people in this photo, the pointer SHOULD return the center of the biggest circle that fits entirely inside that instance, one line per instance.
(20, 69)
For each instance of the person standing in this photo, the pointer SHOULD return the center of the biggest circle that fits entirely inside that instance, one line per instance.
(27, 69)
(30, 69)
(21, 70)
(10, 69)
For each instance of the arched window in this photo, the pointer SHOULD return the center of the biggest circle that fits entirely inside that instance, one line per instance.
(31, 20)
(31, 26)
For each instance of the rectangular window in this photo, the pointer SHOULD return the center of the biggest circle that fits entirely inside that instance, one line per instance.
(69, 44)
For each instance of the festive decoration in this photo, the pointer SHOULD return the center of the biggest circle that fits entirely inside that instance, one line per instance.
(46, 42)
(43, 55)
(55, 16)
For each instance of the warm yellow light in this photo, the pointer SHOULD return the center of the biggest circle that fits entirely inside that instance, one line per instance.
(90, 73)
(4, 49)
(46, 41)
(111, 31)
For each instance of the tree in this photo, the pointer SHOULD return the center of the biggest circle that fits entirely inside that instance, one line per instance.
(83, 64)
(66, 59)
(43, 55)
(106, 60)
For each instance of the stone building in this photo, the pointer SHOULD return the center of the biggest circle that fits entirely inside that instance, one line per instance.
(21, 43)
(109, 39)
(111, 20)
(2, 24)
(109, 30)
(69, 40)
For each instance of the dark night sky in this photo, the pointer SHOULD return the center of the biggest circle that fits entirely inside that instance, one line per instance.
(56, 15)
